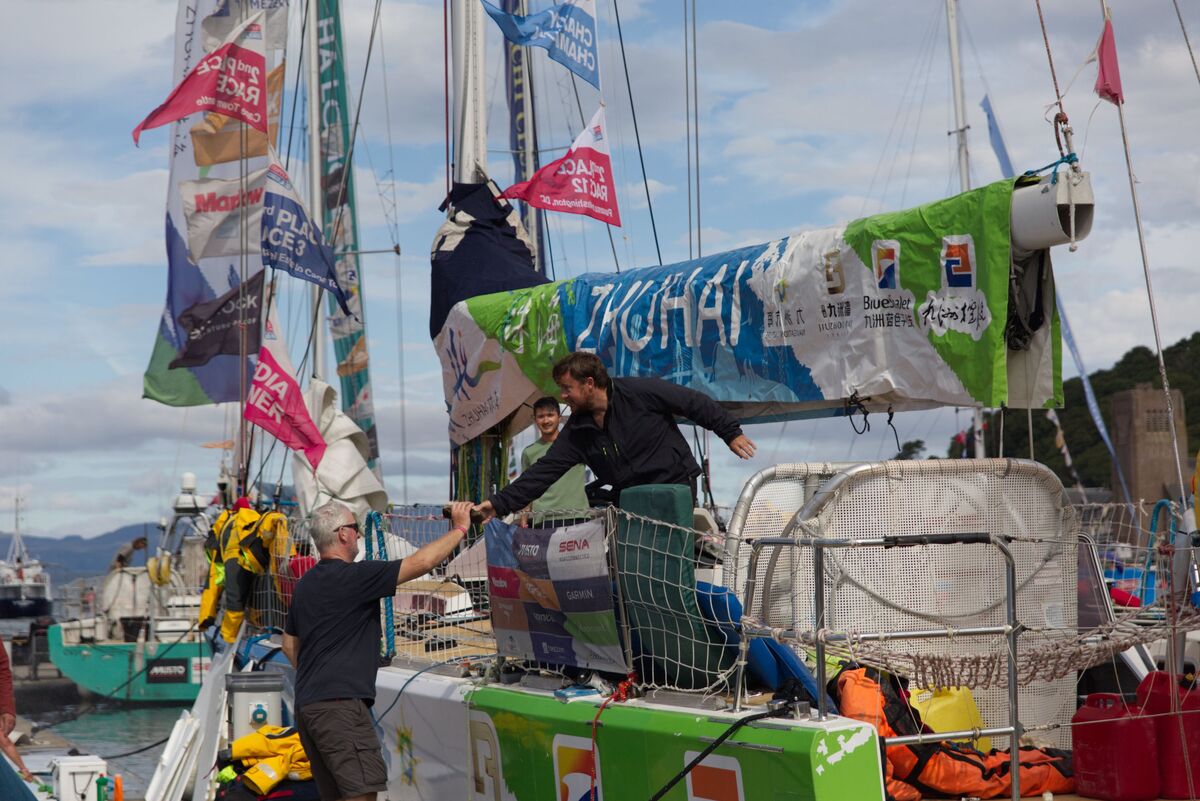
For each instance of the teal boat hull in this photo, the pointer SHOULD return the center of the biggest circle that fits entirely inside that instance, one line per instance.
(173, 671)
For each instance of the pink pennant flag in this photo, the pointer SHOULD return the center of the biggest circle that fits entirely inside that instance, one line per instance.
(231, 80)
(580, 182)
(1108, 80)
(275, 403)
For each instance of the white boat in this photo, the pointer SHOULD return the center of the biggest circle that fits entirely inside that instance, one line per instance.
(24, 583)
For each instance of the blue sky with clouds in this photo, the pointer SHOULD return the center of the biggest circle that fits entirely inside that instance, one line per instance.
(811, 114)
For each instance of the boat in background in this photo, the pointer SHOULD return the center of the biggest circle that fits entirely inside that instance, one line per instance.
(142, 644)
(24, 584)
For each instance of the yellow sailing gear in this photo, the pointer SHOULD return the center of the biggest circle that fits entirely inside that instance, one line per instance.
(274, 754)
(210, 595)
(239, 581)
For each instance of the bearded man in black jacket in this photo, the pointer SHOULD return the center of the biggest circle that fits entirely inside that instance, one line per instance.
(624, 430)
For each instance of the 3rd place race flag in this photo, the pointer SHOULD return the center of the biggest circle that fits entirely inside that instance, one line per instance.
(581, 182)
(275, 403)
(231, 80)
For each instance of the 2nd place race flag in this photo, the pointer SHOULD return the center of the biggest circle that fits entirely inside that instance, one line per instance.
(581, 182)
(231, 80)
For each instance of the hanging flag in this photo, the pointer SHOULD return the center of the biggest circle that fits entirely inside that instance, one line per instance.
(581, 182)
(1060, 442)
(223, 218)
(275, 403)
(567, 31)
(216, 139)
(291, 241)
(997, 140)
(231, 80)
(215, 326)
(219, 24)
(1108, 79)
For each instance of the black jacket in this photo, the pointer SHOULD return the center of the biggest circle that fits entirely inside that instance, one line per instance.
(639, 444)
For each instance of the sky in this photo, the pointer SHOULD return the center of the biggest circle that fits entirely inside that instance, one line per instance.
(811, 114)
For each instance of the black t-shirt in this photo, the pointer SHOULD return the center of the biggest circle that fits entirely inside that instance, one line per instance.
(335, 614)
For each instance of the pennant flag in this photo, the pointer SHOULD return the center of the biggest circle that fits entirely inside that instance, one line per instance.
(219, 140)
(275, 403)
(231, 80)
(567, 31)
(291, 241)
(581, 182)
(1108, 79)
(218, 210)
(215, 326)
(218, 25)
(220, 445)
(997, 140)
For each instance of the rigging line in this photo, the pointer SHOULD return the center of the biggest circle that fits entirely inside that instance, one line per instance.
(912, 152)
(1186, 40)
(687, 121)
(612, 243)
(695, 125)
(394, 222)
(446, 83)
(1054, 75)
(403, 399)
(636, 133)
(287, 154)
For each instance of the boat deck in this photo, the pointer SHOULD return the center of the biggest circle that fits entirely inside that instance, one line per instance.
(444, 641)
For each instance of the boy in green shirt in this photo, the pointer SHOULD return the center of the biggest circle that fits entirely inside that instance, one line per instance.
(565, 502)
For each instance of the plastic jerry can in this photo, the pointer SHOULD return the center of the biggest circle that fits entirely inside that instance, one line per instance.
(1154, 696)
(950, 709)
(1116, 750)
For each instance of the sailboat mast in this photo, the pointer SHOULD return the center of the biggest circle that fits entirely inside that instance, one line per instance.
(312, 79)
(964, 161)
(470, 106)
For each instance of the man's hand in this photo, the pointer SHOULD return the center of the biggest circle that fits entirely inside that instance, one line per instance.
(742, 446)
(460, 515)
(485, 510)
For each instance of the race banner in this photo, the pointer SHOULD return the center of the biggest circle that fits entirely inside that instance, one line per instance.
(904, 310)
(291, 241)
(215, 327)
(567, 31)
(223, 214)
(551, 597)
(275, 403)
(225, 17)
(581, 182)
(230, 80)
(217, 139)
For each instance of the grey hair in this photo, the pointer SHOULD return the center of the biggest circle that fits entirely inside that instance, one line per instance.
(326, 520)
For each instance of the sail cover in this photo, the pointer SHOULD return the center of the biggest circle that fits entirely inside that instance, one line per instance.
(906, 310)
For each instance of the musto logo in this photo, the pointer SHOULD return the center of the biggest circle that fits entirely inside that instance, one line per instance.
(573, 761)
(167, 671)
(717, 778)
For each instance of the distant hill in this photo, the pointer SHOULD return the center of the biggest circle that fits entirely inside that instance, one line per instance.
(75, 557)
(1091, 457)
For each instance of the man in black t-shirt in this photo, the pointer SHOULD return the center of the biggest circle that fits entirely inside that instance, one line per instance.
(332, 637)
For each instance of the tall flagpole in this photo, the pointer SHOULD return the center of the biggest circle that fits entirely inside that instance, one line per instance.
(316, 206)
(964, 162)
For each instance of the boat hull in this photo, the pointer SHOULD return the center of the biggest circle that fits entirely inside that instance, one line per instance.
(173, 671)
(24, 607)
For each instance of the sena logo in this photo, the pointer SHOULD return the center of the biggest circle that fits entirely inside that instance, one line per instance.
(567, 546)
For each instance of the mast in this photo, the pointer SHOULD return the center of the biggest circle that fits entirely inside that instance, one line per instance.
(964, 162)
(470, 106)
(312, 79)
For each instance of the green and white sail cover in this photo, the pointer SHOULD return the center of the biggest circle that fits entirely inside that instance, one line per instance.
(905, 310)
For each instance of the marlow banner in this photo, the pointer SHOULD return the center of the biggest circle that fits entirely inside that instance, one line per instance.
(215, 326)
(551, 597)
(903, 310)
(231, 80)
(223, 215)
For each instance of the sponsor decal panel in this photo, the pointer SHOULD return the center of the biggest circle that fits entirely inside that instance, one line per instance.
(959, 305)
(167, 671)
(574, 764)
(717, 778)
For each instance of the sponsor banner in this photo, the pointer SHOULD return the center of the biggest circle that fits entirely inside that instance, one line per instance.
(581, 182)
(216, 327)
(902, 310)
(567, 31)
(223, 215)
(551, 596)
(230, 80)
(167, 671)
(217, 139)
(220, 23)
(275, 403)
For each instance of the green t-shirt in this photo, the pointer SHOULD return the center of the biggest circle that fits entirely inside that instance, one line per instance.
(566, 497)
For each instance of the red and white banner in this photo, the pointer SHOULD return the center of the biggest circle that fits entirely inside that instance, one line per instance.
(580, 182)
(275, 403)
(231, 80)
(221, 213)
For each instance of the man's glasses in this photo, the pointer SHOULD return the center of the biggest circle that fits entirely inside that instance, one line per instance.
(353, 525)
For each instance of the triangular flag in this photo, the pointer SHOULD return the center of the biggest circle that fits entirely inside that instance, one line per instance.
(581, 182)
(1108, 79)
(274, 402)
(231, 80)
